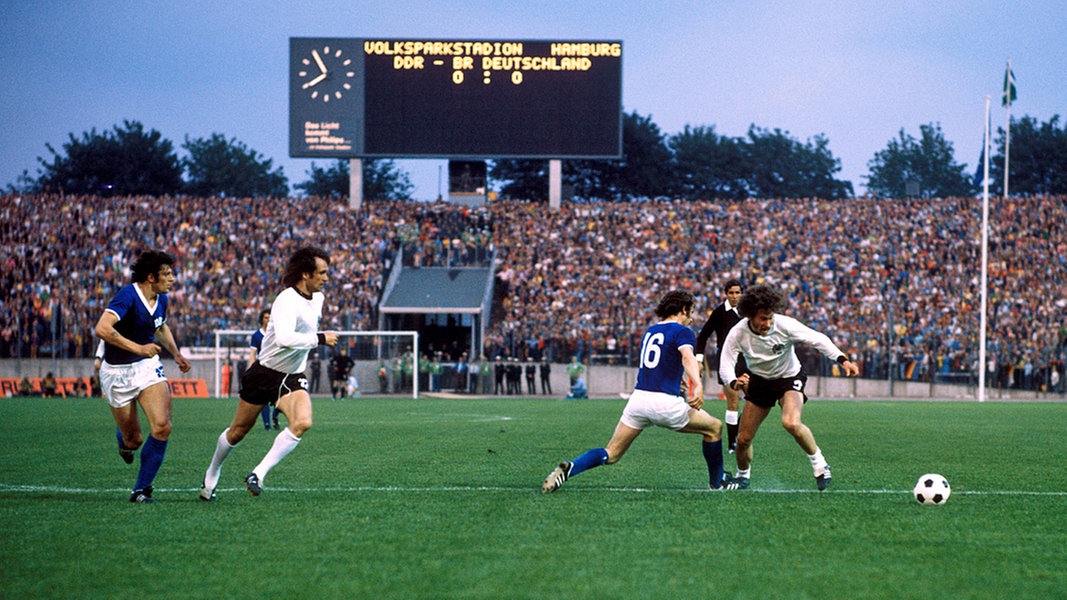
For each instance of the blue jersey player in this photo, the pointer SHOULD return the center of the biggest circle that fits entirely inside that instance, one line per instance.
(134, 330)
(658, 398)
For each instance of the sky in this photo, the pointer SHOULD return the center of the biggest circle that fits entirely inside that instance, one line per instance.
(856, 71)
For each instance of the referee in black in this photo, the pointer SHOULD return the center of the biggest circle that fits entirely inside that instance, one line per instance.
(721, 321)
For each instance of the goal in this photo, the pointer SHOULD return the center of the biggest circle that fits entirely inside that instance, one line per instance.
(397, 352)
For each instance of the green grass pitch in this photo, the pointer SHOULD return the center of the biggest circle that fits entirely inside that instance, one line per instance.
(440, 498)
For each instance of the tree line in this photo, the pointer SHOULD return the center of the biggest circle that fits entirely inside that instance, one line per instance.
(695, 163)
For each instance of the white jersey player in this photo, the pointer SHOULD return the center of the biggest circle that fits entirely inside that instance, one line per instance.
(278, 373)
(774, 375)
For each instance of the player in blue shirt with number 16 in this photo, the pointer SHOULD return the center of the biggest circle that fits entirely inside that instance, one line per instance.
(658, 399)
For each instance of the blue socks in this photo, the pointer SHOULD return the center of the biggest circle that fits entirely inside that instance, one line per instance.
(592, 458)
(599, 456)
(713, 456)
(151, 459)
(266, 414)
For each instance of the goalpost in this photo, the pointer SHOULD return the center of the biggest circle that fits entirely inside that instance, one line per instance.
(396, 351)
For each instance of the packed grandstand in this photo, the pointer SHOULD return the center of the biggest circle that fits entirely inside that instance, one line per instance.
(571, 282)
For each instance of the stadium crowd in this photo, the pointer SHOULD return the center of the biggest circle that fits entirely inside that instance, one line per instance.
(573, 282)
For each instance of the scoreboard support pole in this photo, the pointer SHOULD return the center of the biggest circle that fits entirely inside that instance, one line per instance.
(555, 183)
(355, 183)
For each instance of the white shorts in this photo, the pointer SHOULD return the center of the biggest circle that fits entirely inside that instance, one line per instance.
(655, 408)
(122, 384)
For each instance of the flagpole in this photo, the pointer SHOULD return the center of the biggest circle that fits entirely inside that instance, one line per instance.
(985, 262)
(1008, 83)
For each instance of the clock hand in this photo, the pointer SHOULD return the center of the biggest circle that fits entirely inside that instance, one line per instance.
(314, 81)
(318, 61)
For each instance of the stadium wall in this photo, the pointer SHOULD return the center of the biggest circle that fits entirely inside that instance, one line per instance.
(603, 381)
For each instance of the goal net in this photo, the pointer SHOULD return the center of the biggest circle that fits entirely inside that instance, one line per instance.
(383, 362)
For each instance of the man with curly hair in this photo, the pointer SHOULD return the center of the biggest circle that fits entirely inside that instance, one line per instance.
(766, 340)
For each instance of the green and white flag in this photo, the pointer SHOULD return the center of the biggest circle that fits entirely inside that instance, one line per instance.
(1009, 87)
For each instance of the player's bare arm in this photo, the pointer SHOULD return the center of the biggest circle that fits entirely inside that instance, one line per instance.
(166, 339)
(692, 370)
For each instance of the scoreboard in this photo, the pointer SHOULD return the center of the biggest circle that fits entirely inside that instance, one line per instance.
(402, 98)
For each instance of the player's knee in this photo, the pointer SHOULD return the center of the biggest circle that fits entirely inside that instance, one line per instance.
(792, 424)
(743, 439)
(300, 426)
(161, 431)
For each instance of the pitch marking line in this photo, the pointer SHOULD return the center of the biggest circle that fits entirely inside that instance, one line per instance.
(475, 488)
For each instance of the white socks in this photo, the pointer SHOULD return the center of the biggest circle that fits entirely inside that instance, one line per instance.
(818, 463)
(731, 417)
(283, 444)
(222, 450)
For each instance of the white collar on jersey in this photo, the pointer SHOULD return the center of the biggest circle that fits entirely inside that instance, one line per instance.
(151, 307)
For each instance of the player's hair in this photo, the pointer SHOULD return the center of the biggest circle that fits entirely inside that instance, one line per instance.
(674, 302)
(731, 283)
(758, 298)
(302, 261)
(149, 263)
(262, 313)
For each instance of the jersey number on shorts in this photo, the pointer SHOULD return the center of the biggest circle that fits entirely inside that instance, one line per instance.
(159, 372)
(651, 350)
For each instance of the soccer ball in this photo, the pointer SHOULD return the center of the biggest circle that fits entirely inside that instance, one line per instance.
(931, 489)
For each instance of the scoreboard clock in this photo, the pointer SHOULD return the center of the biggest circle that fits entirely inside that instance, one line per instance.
(325, 97)
(399, 98)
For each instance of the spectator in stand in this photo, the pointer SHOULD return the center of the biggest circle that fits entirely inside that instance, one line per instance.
(26, 388)
(49, 385)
